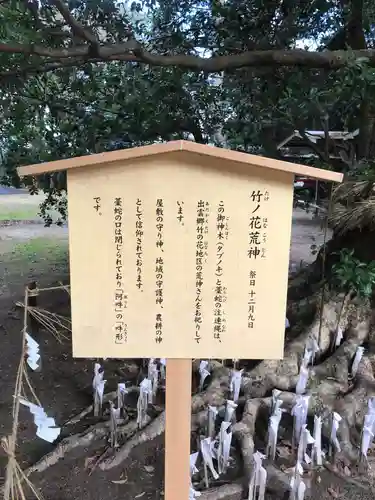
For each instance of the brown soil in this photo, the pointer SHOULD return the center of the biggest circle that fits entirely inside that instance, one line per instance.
(64, 385)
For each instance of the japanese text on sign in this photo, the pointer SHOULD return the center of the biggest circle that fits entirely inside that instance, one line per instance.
(257, 226)
(120, 297)
(257, 241)
(159, 269)
(139, 242)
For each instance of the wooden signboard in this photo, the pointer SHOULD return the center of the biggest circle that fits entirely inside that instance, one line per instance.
(179, 251)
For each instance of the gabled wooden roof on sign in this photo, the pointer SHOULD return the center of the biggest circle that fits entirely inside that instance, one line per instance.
(177, 146)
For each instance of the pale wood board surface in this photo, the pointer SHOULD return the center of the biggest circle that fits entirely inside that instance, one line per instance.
(177, 428)
(177, 179)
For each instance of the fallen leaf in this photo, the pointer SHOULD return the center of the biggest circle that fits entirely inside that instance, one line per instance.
(283, 451)
(149, 468)
(284, 442)
(120, 481)
(289, 470)
(89, 462)
(347, 471)
(333, 492)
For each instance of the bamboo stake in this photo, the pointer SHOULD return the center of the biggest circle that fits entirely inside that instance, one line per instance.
(14, 476)
(12, 439)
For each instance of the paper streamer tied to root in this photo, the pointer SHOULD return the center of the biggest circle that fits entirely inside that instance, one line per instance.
(368, 430)
(235, 384)
(258, 478)
(207, 454)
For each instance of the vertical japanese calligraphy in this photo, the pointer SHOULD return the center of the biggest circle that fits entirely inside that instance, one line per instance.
(139, 243)
(210, 270)
(180, 212)
(264, 238)
(266, 197)
(199, 256)
(257, 223)
(159, 269)
(120, 297)
(251, 303)
(220, 290)
(97, 204)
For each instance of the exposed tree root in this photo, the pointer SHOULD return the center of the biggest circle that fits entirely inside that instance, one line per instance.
(110, 396)
(231, 491)
(283, 374)
(95, 433)
(217, 392)
(276, 480)
(331, 388)
(148, 433)
(244, 430)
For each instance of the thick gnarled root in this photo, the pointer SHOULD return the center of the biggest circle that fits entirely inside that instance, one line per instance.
(331, 388)
(97, 432)
(283, 374)
(148, 433)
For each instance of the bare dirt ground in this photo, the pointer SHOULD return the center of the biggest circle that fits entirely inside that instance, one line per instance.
(29, 251)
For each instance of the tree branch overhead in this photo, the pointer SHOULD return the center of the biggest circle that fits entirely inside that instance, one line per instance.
(83, 46)
(132, 51)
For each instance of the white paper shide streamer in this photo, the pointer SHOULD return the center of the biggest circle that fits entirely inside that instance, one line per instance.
(32, 351)
(317, 453)
(258, 478)
(304, 372)
(275, 399)
(339, 336)
(336, 419)
(163, 362)
(368, 430)
(121, 397)
(235, 384)
(153, 376)
(305, 440)
(229, 410)
(204, 373)
(223, 451)
(211, 419)
(193, 493)
(299, 412)
(297, 486)
(312, 346)
(115, 416)
(273, 425)
(98, 388)
(208, 456)
(46, 426)
(357, 359)
(193, 470)
(144, 399)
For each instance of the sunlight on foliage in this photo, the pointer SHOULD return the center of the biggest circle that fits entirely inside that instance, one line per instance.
(350, 274)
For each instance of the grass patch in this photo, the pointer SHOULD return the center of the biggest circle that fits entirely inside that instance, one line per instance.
(19, 207)
(23, 213)
(43, 258)
(55, 250)
(22, 207)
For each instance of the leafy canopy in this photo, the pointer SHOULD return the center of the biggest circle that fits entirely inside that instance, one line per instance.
(81, 77)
